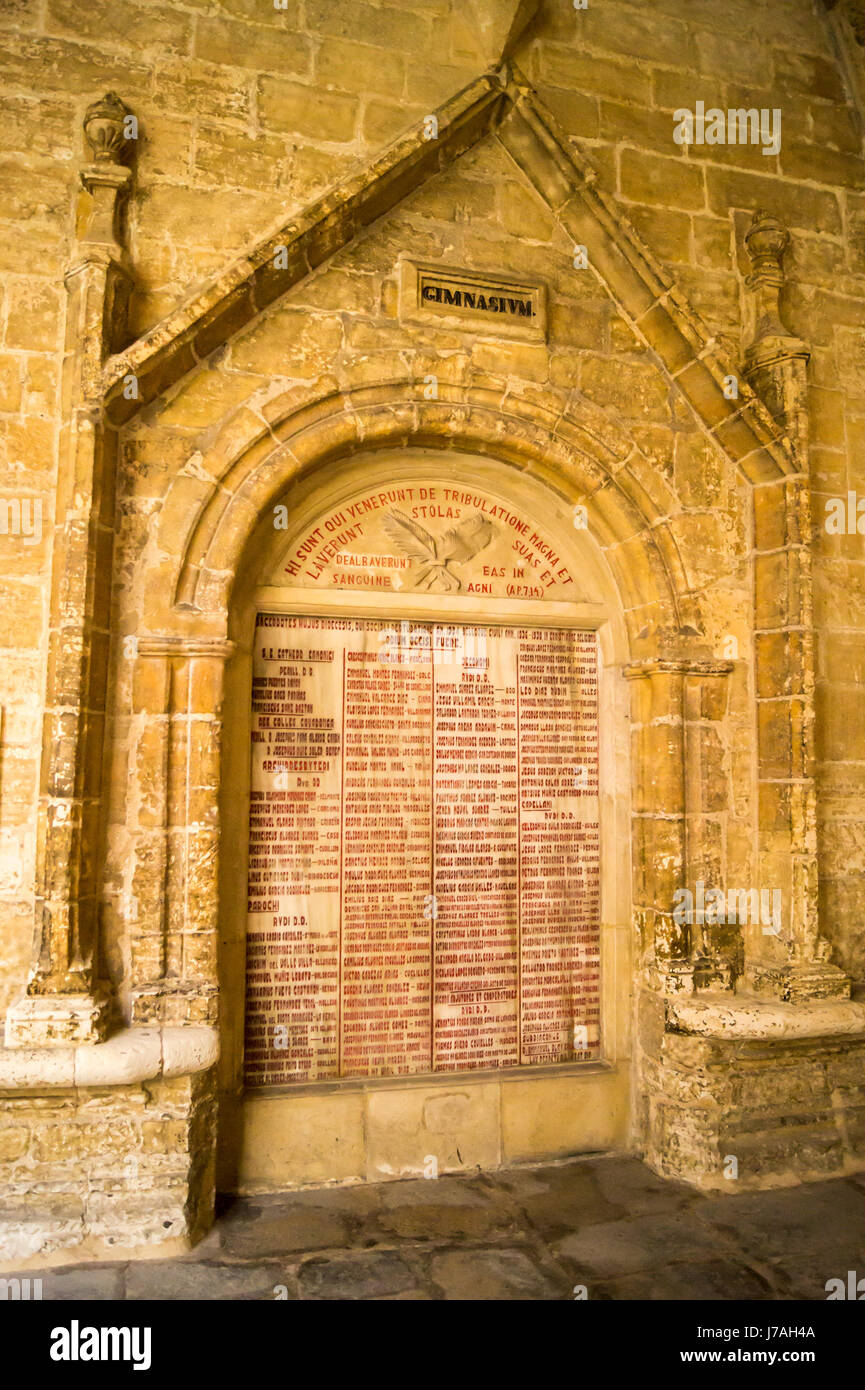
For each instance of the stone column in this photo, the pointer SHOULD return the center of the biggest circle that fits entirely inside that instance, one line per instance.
(674, 801)
(179, 687)
(776, 362)
(658, 757)
(64, 1002)
(793, 966)
(671, 702)
(716, 948)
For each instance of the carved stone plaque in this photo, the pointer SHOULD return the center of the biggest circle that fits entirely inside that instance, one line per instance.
(471, 300)
(423, 857)
(433, 539)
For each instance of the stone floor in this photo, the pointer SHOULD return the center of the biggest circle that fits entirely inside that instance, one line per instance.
(525, 1233)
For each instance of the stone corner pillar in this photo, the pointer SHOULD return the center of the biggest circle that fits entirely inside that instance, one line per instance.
(795, 966)
(65, 1003)
(174, 860)
(673, 701)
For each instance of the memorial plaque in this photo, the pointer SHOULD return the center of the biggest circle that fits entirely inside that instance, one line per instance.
(423, 857)
(437, 538)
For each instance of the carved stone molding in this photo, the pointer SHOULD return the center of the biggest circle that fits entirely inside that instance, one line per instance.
(186, 647)
(638, 670)
(775, 360)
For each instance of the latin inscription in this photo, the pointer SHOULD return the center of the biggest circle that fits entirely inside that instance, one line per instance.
(488, 303)
(424, 849)
(474, 301)
(436, 538)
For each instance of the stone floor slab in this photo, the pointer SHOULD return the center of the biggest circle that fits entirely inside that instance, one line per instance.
(84, 1282)
(491, 1275)
(183, 1280)
(526, 1233)
(629, 1185)
(705, 1280)
(558, 1199)
(278, 1230)
(442, 1209)
(364, 1274)
(640, 1243)
(776, 1223)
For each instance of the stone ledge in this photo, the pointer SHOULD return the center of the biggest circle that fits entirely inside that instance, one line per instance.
(130, 1056)
(749, 1017)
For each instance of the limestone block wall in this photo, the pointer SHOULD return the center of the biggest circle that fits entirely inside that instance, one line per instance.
(781, 1108)
(102, 1170)
(245, 113)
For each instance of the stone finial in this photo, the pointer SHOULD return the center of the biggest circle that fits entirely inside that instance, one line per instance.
(105, 129)
(110, 130)
(775, 359)
(766, 240)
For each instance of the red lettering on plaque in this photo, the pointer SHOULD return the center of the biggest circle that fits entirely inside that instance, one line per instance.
(423, 850)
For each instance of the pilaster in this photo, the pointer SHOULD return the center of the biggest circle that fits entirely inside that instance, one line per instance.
(793, 966)
(65, 1002)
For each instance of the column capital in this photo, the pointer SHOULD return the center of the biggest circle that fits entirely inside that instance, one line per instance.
(666, 666)
(186, 648)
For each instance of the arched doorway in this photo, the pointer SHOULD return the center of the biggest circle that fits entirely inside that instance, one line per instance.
(213, 548)
(425, 876)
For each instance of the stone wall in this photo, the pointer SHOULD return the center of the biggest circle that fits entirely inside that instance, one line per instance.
(105, 1170)
(749, 1111)
(246, 112)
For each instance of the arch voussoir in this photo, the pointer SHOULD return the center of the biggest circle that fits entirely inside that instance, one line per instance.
(569, 450)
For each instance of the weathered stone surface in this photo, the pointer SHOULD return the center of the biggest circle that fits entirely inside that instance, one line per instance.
(704, 1281)
(156, 1279)
(268, 1231)
(560, 1199)
(439, 1209)
(374, 1274)
(640, 1243)
(780, 1245)
(706, 511)
(483, 1275)
(84, 1284)
(830, 1217)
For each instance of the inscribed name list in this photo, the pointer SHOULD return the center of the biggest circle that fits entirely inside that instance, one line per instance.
(424, 849)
